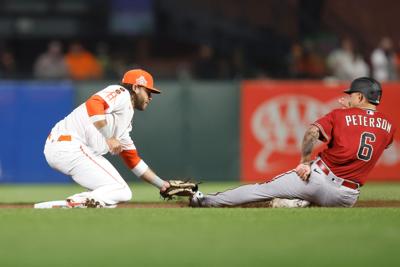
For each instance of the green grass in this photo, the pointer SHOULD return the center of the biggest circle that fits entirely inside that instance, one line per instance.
(196, 237)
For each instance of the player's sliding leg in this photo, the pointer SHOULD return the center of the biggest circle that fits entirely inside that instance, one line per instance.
(288, 185)
(320, 189)
(285, 186)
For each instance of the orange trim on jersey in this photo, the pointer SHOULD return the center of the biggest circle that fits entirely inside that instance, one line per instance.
(130, 157)
(96, 105)
(64, 138)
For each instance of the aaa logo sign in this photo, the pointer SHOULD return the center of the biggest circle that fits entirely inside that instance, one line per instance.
(279, 125)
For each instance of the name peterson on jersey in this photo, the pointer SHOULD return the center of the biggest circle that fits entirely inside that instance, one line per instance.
(361, 120)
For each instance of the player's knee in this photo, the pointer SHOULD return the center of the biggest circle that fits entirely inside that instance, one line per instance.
(126, 194)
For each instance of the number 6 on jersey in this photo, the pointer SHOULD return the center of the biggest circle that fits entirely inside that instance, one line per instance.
(366, 149)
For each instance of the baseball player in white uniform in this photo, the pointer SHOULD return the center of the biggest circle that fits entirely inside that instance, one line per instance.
(102, 124)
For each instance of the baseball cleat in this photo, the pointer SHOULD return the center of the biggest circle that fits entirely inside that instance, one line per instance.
(93, 203)
(289, 203)
(86, 200)
(196, 199)
(76, 204)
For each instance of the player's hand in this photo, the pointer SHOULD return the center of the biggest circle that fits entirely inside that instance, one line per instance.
(344, 102)
(114, 146)
(303, 170)
(165, 186)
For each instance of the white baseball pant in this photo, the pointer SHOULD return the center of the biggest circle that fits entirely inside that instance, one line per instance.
(91, 171)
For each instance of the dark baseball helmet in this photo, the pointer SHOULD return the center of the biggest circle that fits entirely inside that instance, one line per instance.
(369, 87)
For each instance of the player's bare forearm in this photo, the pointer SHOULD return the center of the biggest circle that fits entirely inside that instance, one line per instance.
(150, 177)
(114, 145)
(310, 138)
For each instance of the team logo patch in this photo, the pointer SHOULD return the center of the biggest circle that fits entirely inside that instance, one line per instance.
(141, 81)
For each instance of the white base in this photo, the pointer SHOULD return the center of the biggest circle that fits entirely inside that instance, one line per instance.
(51, 205)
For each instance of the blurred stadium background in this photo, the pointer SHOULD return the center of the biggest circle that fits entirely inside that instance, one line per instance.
(241, 79)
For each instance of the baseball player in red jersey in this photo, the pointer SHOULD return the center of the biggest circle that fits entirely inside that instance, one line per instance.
(102, 124)
(356, 136)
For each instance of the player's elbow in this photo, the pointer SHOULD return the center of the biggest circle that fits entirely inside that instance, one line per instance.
(100, 124)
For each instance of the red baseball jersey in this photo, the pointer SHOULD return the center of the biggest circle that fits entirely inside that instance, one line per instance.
(356, 139)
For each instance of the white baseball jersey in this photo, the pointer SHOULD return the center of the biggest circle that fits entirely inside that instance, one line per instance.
(114, 105)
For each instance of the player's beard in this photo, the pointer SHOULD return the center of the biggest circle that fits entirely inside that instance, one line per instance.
(139, 103)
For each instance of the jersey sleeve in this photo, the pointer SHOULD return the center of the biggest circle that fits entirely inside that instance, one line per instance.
(325, 126)
(107, 100)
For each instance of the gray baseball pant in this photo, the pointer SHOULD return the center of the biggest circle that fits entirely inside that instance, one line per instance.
(321, 189)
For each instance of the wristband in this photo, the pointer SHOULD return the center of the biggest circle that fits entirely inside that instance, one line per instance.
(157, 182)
(140, 168)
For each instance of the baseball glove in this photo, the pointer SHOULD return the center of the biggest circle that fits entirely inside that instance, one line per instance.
(180, 188)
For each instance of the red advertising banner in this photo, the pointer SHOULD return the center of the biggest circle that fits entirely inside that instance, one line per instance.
(275, 115)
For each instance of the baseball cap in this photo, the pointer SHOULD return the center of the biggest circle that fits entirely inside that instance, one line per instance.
(140, 77)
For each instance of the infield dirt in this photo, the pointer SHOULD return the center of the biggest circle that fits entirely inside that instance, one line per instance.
(182, 204)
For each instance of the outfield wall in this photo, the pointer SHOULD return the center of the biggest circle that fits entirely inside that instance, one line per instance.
(27, 109)
(204, 130)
